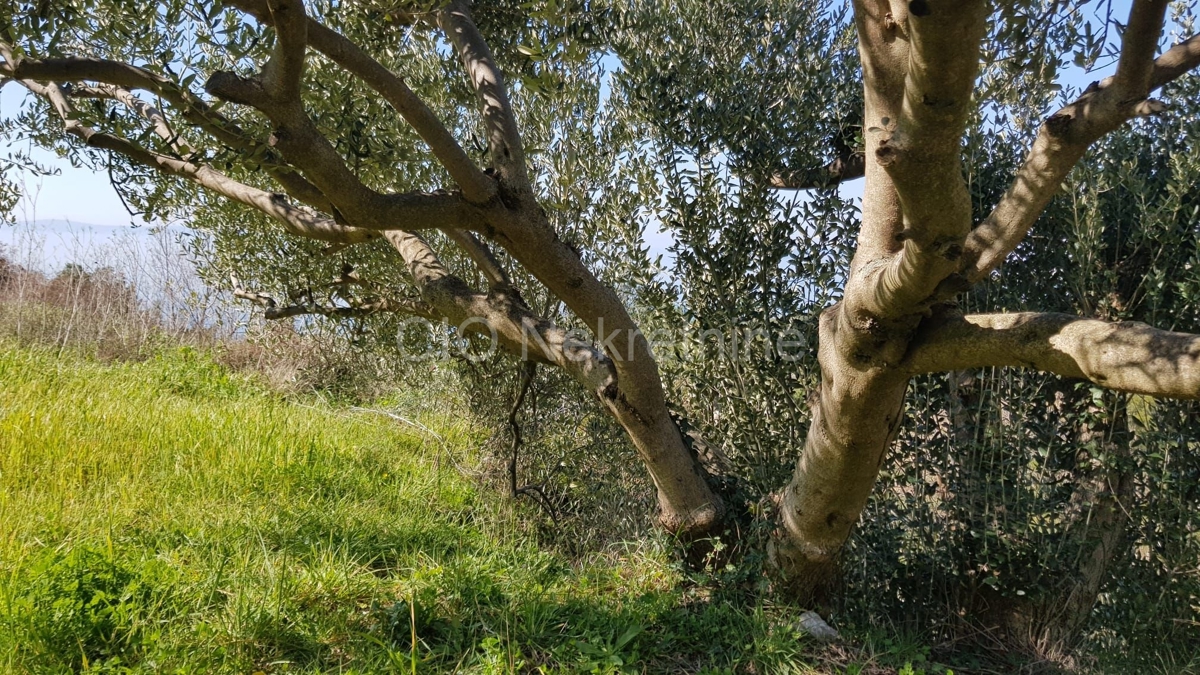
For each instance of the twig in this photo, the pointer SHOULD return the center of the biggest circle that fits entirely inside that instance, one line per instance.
(534, 492)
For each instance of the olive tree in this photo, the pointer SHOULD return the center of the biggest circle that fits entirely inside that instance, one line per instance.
(310, 114)
(919, 247)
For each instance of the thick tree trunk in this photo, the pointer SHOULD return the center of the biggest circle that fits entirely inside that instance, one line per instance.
(917, 248)
(634, 396)
(855, 417)
(919, 65)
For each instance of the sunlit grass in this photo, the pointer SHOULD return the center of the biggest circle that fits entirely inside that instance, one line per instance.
(169, 516)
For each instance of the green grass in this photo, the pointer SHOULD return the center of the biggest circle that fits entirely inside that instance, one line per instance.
(169, 516)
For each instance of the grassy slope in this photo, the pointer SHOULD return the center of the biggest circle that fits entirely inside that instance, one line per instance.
(167, 516)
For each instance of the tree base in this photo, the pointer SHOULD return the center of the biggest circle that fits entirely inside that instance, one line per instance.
(807, 581)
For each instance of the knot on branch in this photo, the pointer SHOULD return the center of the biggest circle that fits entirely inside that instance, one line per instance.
(891, 24)
(1058, 125)
(887, 153)
(937, 103)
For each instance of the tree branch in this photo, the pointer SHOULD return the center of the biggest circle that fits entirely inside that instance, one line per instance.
(884, 53)
(921, 152)
(193, 109)
(304, 146)
(273, 311)
(501, 315)
(1061, 142)
(292, 182)
(1175, 62)
(296, 220)
(190, 107)
(504, 138)
(482, 256)
(1139, 44)
(476, 186)
(146, 111)
(282, 74)
(117, 74)
(1126, 356)
(534, 492)
(847, 166)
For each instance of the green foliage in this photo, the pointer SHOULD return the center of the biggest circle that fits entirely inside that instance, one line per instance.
(768, 84)
(189, 372)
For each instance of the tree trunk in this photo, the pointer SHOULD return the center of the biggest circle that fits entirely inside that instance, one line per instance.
(856, 415)
(1105, 497)
(1103, 539)
(634, 396)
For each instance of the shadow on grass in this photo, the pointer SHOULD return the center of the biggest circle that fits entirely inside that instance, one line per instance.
(309, 596)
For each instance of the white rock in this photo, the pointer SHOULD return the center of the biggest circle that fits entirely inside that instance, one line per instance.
(813, 625)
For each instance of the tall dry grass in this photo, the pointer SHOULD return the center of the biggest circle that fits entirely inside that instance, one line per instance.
(117, 297)
(125, 295)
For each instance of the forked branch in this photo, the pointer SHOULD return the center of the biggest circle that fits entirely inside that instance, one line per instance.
(283, 73)
(132, 78)
(296, 220)
(921, 153)
(304, 146)
(534, 492)
(114, 76)
(476, 186)
(1139, 44)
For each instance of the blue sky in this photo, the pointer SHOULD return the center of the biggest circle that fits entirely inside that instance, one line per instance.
(76, 195)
